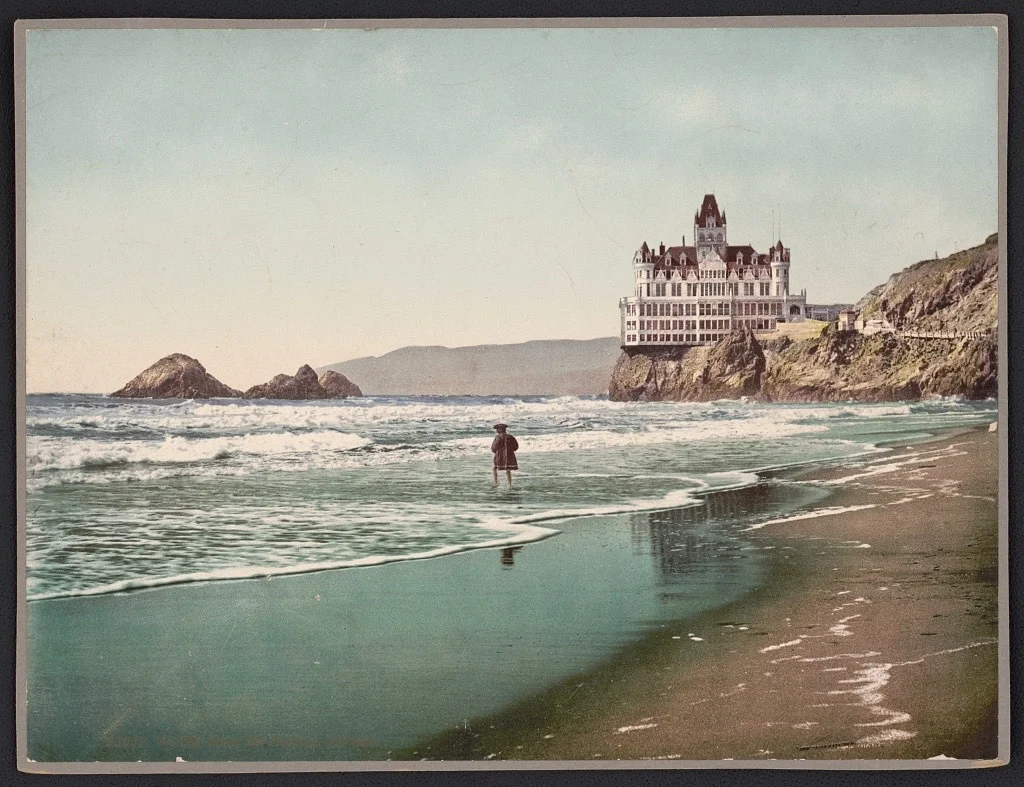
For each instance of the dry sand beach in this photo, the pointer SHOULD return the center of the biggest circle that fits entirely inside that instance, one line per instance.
(876, 638)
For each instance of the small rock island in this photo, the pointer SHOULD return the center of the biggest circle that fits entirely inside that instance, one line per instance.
(176, 376)
(305, 385)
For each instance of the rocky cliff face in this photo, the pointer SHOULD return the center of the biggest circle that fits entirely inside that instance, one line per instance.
(884, 367)
(176, 376)
(304, 385)
(338, 385)
(728, 370)
(958, 293)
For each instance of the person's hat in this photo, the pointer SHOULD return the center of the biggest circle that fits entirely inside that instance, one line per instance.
(501, 426)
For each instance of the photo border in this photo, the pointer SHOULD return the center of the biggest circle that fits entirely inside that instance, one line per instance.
(21, 29)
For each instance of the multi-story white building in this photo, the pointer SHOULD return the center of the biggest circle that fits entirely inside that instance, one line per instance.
(696, 294)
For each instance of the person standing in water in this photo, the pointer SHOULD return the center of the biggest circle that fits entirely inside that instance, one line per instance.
(504, 448)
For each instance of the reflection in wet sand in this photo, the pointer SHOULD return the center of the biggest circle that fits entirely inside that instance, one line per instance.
(680, 540)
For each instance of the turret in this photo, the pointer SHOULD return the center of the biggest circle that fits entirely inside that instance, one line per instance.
(780, 269)
(643, 267)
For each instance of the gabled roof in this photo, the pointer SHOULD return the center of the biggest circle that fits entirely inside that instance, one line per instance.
(709, 207)
(748, 252)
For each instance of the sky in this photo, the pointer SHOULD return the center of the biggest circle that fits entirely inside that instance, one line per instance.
(261, 199)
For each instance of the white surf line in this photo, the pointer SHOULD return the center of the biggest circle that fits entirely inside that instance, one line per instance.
(814, 659)
(635, 728)
(841, 629)
(871, 678)
(528, 527)
(792, 642)
(892, 467)
(813, 514)
(870, 448)
(527, 534)
(949, 489)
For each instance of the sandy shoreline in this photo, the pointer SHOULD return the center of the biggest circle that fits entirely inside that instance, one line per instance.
(874, 639)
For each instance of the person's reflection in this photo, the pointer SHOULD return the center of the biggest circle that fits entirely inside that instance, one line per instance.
(508, 556)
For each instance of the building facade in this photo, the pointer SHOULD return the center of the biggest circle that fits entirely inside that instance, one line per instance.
(688, 295)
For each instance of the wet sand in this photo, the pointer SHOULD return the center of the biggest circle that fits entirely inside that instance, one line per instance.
(875, 638)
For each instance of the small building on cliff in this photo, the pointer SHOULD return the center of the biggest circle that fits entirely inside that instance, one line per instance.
(692, 295)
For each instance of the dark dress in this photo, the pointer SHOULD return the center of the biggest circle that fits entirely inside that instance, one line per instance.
(504, 449)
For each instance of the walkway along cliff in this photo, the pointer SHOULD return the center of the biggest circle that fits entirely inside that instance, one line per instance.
(955, 296)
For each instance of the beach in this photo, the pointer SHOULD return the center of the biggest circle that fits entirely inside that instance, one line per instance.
(226, 582)
(875, 638)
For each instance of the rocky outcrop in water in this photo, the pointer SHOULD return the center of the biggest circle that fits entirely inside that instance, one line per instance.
(303, 385)
(175, 376)
(957, 293)
(338, 385)
(728, 370)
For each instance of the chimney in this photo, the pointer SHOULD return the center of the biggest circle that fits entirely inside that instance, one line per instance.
(661, 249)
(684, 240)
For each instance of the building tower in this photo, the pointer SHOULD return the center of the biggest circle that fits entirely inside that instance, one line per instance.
(780, 270)
(709, 230)
(643, 267)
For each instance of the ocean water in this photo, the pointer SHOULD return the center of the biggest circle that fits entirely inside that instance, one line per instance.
(127, 494)
(181, 606)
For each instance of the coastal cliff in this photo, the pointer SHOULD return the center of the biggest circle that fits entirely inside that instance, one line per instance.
(883, 367)
(955, 294)
(730, 369)
(175, 376)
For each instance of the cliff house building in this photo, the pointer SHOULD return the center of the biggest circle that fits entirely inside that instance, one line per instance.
(692, 295)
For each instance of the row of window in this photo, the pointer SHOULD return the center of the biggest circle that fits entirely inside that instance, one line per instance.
(708, 274)
(756, 325)
(659, 290)
(665, 338)
(717, 327)
(714, 273)
(702, 309)
(758, 307)
(706, 289)
(682, 325)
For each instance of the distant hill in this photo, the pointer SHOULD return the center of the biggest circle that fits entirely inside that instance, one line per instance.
(561, 367)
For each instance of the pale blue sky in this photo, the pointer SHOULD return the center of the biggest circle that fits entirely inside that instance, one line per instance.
(261, 199)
